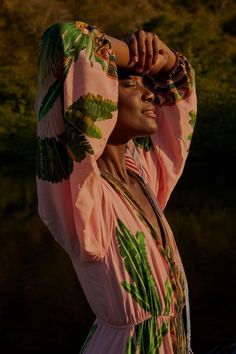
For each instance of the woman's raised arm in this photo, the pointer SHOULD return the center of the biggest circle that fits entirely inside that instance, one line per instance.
(143, 51)
(173, 83)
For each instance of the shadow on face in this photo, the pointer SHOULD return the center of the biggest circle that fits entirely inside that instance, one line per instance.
(136, 109)
(126, 73)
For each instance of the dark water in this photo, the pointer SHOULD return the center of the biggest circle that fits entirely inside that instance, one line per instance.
(42, 306)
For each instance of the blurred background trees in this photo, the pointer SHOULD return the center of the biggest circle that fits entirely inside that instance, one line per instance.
(35, 273)
(205, 31)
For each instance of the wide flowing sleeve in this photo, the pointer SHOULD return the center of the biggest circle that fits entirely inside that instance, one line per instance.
(76, 107)
(163, 155)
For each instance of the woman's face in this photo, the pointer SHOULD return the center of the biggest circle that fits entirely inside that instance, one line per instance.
(136, 112)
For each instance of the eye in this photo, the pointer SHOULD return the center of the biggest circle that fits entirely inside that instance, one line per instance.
(130, 83)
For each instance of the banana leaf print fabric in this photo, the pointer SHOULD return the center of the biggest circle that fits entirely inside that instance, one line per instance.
(132, 277)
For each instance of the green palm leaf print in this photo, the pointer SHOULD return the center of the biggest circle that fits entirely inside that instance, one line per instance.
(102, 62)
(95, 107)
(144, 142)
(80, 122)
(192, 122)
(91, 332)
(148, 337)
(62, 42)
(53, 93)
(193, 116)
(169, 291)
(67, 41)
(77, 143)
(73, 39)
(51, 52)
(130, 288)
(52, 161)
(133, 251)
(130, 347)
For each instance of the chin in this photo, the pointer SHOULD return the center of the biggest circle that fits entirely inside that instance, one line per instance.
(151, 130)
(150, 127)
(145, 133)
(155, 130)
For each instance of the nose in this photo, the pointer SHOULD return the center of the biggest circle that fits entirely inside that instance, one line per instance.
(148, 95)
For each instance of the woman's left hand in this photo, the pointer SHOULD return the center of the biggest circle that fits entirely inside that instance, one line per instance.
(145, 52)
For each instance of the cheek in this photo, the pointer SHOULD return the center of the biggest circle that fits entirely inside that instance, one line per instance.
(128, 105)
(127, 117)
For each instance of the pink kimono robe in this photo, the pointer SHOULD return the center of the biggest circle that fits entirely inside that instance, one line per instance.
(133, 279)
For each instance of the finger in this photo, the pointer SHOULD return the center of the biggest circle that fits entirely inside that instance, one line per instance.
(141, 36)
(131, 65)
(149, 52)
(133, 48)
(155, 45)
(161, 61)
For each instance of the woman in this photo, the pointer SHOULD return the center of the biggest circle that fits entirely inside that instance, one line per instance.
(109, 153)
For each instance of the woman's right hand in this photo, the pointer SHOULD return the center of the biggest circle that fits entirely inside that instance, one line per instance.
(148, 54)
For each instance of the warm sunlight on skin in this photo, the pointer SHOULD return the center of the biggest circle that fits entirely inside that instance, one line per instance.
(136, 111)
(123, 129)
(137, 54)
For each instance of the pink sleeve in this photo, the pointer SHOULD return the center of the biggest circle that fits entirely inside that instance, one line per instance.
(76, 108)
(163, 155)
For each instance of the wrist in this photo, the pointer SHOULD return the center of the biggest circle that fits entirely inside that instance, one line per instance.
(121, 51)
(172, 58)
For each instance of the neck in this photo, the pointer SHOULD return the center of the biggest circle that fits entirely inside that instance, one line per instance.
(112, 161)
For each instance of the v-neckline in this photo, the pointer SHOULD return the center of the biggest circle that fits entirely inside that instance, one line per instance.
(158, 217)
(162, 239)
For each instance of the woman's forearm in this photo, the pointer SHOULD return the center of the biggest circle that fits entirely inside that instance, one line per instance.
(122, 53)
(171, 56)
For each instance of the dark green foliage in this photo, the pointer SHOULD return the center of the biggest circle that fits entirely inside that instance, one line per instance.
(229, 26)
(203, 30)
(17, 117)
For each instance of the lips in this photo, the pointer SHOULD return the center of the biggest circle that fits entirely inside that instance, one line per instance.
(149, 111)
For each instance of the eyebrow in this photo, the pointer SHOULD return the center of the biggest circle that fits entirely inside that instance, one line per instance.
(131, 77)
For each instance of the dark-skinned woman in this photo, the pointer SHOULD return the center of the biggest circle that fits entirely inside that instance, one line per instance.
(115, 121)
